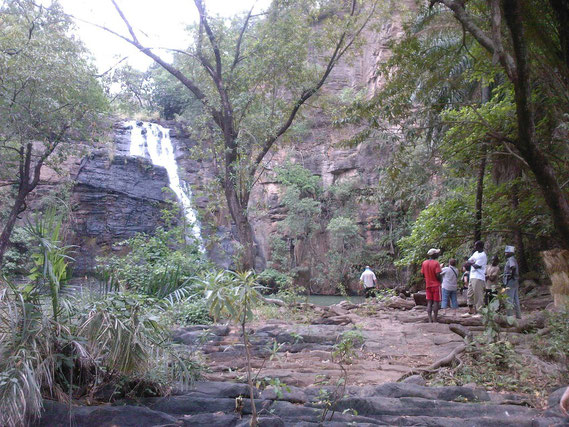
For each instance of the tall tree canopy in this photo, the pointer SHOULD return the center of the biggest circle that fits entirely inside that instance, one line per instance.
(49, 97)
(450, 110)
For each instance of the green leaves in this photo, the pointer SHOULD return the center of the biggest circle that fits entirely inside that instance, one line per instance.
(232, 294)
(445, 223)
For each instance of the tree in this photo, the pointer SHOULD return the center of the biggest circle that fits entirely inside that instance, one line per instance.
(252, 75)
(48, 98)
(516, 63)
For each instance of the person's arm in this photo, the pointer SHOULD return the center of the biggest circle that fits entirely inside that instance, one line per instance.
(564, 402)
(472, 261)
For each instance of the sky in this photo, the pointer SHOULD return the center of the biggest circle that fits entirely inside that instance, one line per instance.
(163, 22)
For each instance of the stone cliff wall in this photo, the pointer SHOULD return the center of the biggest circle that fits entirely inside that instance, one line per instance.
(322, 153)
(113, 200)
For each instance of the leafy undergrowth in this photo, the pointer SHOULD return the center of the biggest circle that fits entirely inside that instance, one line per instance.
(499, 367)
(504, 367)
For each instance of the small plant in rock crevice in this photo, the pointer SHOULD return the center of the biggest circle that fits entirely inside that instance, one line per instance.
(343, 352)
(235, 294)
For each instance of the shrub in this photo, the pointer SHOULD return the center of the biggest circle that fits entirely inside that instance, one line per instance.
(274, 280)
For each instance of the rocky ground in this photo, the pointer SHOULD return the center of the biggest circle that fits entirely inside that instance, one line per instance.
(397, 341)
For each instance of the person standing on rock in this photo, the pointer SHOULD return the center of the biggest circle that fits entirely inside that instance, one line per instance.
(492, 275)
(475, 294)
(368, 281)
(511, 282)
(431, 271)
(450, 286)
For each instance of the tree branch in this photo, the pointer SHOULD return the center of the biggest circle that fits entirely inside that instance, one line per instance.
(339, 51)
(493, 46)
(239, 41)
(210, 35)
(216, 115)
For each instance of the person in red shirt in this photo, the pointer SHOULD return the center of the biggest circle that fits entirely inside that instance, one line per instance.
(431, 271)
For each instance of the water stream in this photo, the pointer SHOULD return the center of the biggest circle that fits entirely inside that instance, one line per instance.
(152, 141)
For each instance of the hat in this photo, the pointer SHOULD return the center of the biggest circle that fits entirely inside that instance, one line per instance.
(510, 249)
(433, 251)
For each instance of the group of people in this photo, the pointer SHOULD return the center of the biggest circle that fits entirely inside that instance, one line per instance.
(480, 278)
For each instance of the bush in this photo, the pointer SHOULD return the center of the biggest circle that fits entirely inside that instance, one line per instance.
(555, 345)
(274, 280)
(188, 312)
(157, 265)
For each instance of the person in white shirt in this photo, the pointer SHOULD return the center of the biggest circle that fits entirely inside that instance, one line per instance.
(477, 285)
(369, 282)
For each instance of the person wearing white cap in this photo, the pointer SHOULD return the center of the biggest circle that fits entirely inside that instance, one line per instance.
(512, 281)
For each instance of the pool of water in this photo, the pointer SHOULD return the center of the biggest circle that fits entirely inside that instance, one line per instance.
(333, 299)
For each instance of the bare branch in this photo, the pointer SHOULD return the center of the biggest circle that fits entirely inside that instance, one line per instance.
(236, 59)
(130, 30)
(216, 115)
(210, 35)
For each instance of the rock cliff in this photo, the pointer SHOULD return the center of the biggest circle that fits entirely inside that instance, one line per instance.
(109, 211)
(113, 199)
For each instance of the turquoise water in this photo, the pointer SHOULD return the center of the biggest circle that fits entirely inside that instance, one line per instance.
(333, 299)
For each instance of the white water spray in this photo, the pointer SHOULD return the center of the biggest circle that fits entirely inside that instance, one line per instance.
(152, 141)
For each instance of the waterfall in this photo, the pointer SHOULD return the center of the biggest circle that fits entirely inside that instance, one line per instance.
(153, 142)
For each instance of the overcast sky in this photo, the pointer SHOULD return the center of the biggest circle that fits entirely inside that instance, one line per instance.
(163, 21)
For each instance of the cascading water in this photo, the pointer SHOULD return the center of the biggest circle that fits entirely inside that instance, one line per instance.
(152, 141)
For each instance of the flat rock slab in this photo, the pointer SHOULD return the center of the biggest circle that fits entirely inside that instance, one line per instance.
(395, 343)
(213, 404)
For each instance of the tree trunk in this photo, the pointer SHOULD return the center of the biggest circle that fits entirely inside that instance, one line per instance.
(518, 236)
(485, 97)
(480, 195)
(526, 143)
(16, 210)
(561, 13)
(25, 186)
(244, 230)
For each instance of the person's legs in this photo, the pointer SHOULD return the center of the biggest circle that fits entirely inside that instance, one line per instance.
(444, 303)
(454, 302)
(478, 293)
(511, 291)
(470, 297)
(436, 305)
(487, 296)
(436, 297)
(430, 310)
(517, 302)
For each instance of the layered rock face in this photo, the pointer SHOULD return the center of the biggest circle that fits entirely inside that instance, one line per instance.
(114, 199)
(117, 195)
